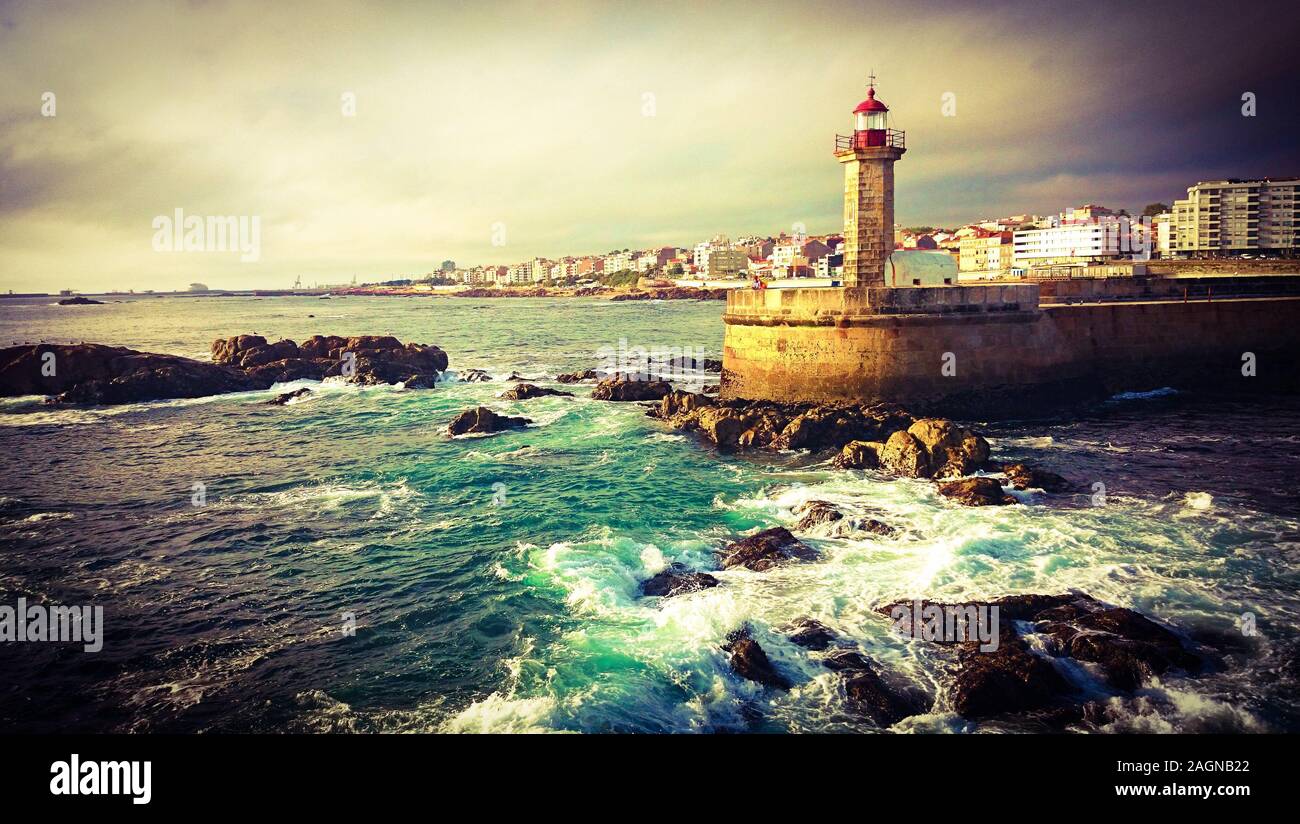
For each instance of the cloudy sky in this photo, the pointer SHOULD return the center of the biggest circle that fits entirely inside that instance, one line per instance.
(577, 127)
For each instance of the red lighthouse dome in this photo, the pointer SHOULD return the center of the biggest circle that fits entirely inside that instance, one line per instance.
(871, 104)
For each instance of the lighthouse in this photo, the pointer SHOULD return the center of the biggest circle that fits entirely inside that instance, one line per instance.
(868, 156)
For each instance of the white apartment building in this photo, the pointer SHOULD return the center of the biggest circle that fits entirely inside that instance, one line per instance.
(618, 262)
(1224, 217)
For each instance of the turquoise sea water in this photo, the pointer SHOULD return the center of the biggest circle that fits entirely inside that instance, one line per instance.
(493, 580)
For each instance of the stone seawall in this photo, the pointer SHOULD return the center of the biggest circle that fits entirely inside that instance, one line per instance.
(992, 351)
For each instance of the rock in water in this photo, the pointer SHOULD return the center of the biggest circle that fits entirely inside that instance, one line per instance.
(482, 419)
(859, 455)
(475, 376)
(579, 377)
(903, 454)
(976, 492)
(1023, 477)
(281, 400)
(93, 373)
(524, 391)
(677, 580)
(767, 549)
(815, 513)
(867, 691)
(810, 634)
(631, 387)
(80, 301)
(953, 451)
(749, 661)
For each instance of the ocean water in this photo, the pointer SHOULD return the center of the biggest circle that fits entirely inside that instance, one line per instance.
(493, 580)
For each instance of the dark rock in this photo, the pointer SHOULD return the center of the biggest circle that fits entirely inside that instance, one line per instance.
(80, 301)
(672, 293)
(482, 419)
(767, 549)
(815, 513)
(810, 634)
(677, 580)
(749, 661)
(579, 377)
(976, 492)
(93, 373)
(475, 376)
(1128, 647)
(867, 691)
(875, 527)
(631, 387)
(281, 400)
(289, 369)
(322, 346)
(1023, 477)
(524, 391)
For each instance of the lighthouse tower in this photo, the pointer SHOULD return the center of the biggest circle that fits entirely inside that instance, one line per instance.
(868, 156)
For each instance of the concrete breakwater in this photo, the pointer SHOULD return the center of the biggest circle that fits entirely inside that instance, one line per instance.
(993, 350)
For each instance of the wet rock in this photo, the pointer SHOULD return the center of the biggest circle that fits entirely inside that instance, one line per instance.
(524, 391)
(289, 369)
(767, 549)
(749, 661)
(812, 514)
(677, 580)
(1008, 679)
(475, 376)
(679, 402)
(97, 374)
(867, 691)
(976, 492)
(810, 634)
(702, 364)
(323, 347)
(631, 387)
(721, 425)
(1022, 476)
(579, 377)
(903, 454)
(859, 455)
(281, 400)
(953, 451)
(80, 301)
(482, 419)
(873, 526)
(1128, 648)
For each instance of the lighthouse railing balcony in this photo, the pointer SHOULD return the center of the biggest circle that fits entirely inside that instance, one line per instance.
(870, 139)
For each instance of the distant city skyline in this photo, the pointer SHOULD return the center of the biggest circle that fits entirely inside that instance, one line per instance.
(376, 141)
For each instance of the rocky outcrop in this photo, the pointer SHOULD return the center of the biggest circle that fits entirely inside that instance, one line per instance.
(1126, 646)
(281, 400)
(764, 424)
(677, 580)
(524, 391)
(859, 455)
(813, 514)
(579, 377)
(364, 359)
(810, 633)
(749, 661)
(673, 293)
(1022, 476)
(976, 492)
(481, 419)
(631, 387)
(703, 364)
(868, 693)
(475, 376)
(767, 549)
(96, 374)
(80, 301)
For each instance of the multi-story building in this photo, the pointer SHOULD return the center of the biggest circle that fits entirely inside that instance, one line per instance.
(1087, 234)
(720, 263)
(985, 252)
(618, 262)
(1226, 217)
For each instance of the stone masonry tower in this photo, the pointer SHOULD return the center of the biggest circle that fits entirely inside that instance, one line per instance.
(868, 156)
